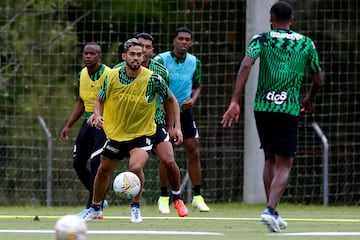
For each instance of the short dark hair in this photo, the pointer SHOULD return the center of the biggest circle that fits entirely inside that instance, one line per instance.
(282, 10)
(144, 35)
(183, 29)
(93, 44)
(131, 43)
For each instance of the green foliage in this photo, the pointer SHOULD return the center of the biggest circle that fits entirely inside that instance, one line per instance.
(37, 45)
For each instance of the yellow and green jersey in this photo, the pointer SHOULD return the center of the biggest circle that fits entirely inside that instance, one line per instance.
(129, 108)
(285, 56)
(89, 85)
(157, 68)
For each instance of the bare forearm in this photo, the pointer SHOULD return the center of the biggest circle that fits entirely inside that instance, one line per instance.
(98, 106)
(76, 114)
(241, 78)
(316, 85)
(172, 110)
(195, 94)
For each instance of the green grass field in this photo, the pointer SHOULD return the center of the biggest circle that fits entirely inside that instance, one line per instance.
(225, 221)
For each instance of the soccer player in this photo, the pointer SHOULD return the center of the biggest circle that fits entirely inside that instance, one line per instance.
(162, 145)
(284, 57)
(90, 140)
(185, 77)
(125, 109)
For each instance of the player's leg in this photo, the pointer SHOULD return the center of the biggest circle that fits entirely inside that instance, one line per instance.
(139, 150)
(266, 132)
(268, 173)
(138, 158)
(165, 153)
(279, 138)
(160, 137)
(110, 156)
(99, 141)
(101, 183)
(164, 199)
(192, 150)
(280, 180)
(81, 154)
(191, 146)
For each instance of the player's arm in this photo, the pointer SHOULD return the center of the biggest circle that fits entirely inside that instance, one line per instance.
(171, 108)
(308, 102)
(77, 112)
(233, 111)
(317, 81)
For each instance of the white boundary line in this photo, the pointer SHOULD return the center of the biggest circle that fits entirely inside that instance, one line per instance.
(129, 232)
(320, 234)
(195, 218)
(122, 232)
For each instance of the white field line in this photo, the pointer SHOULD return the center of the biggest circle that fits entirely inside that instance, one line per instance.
(122, 232)
(319, 234)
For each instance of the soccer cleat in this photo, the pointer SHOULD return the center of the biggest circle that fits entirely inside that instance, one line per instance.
(92, 214)
(135, 214)
(180, 208)
(105, 205)
(101, 217)
(270, 221)
(163, 205)
(199, 203)
(281, 222)
(83, 212)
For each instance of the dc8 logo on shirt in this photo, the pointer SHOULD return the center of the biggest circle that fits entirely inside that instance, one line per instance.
(277, 98)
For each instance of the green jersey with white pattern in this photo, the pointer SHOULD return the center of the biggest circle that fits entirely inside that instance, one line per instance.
(285, 56)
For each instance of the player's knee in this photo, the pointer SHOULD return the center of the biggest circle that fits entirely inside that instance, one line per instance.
(167, 159)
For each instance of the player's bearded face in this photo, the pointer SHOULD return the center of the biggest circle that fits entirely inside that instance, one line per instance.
(134, 57)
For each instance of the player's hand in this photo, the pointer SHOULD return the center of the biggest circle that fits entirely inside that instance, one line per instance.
(231, 114)
(176, 135)
(308, 106)
(187, 104)
(91, 120)
(96, 121)
(64, 133)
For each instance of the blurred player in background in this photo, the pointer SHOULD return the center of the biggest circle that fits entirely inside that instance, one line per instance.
(185, 77)
(90, 140)
(285, 56)
(162, 144)
(127, 100)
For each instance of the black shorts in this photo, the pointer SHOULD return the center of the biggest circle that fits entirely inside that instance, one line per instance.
(161, 135)
(89, 143)
(118, 150)
(277, 132)
(188, 126)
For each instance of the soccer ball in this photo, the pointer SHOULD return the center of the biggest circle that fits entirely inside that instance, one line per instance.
(70, 227)
(126, 185)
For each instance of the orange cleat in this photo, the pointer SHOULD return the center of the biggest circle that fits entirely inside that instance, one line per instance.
(180, 208)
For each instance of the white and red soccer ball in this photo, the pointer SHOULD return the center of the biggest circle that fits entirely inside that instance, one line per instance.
(126, 185)
(70, 227)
